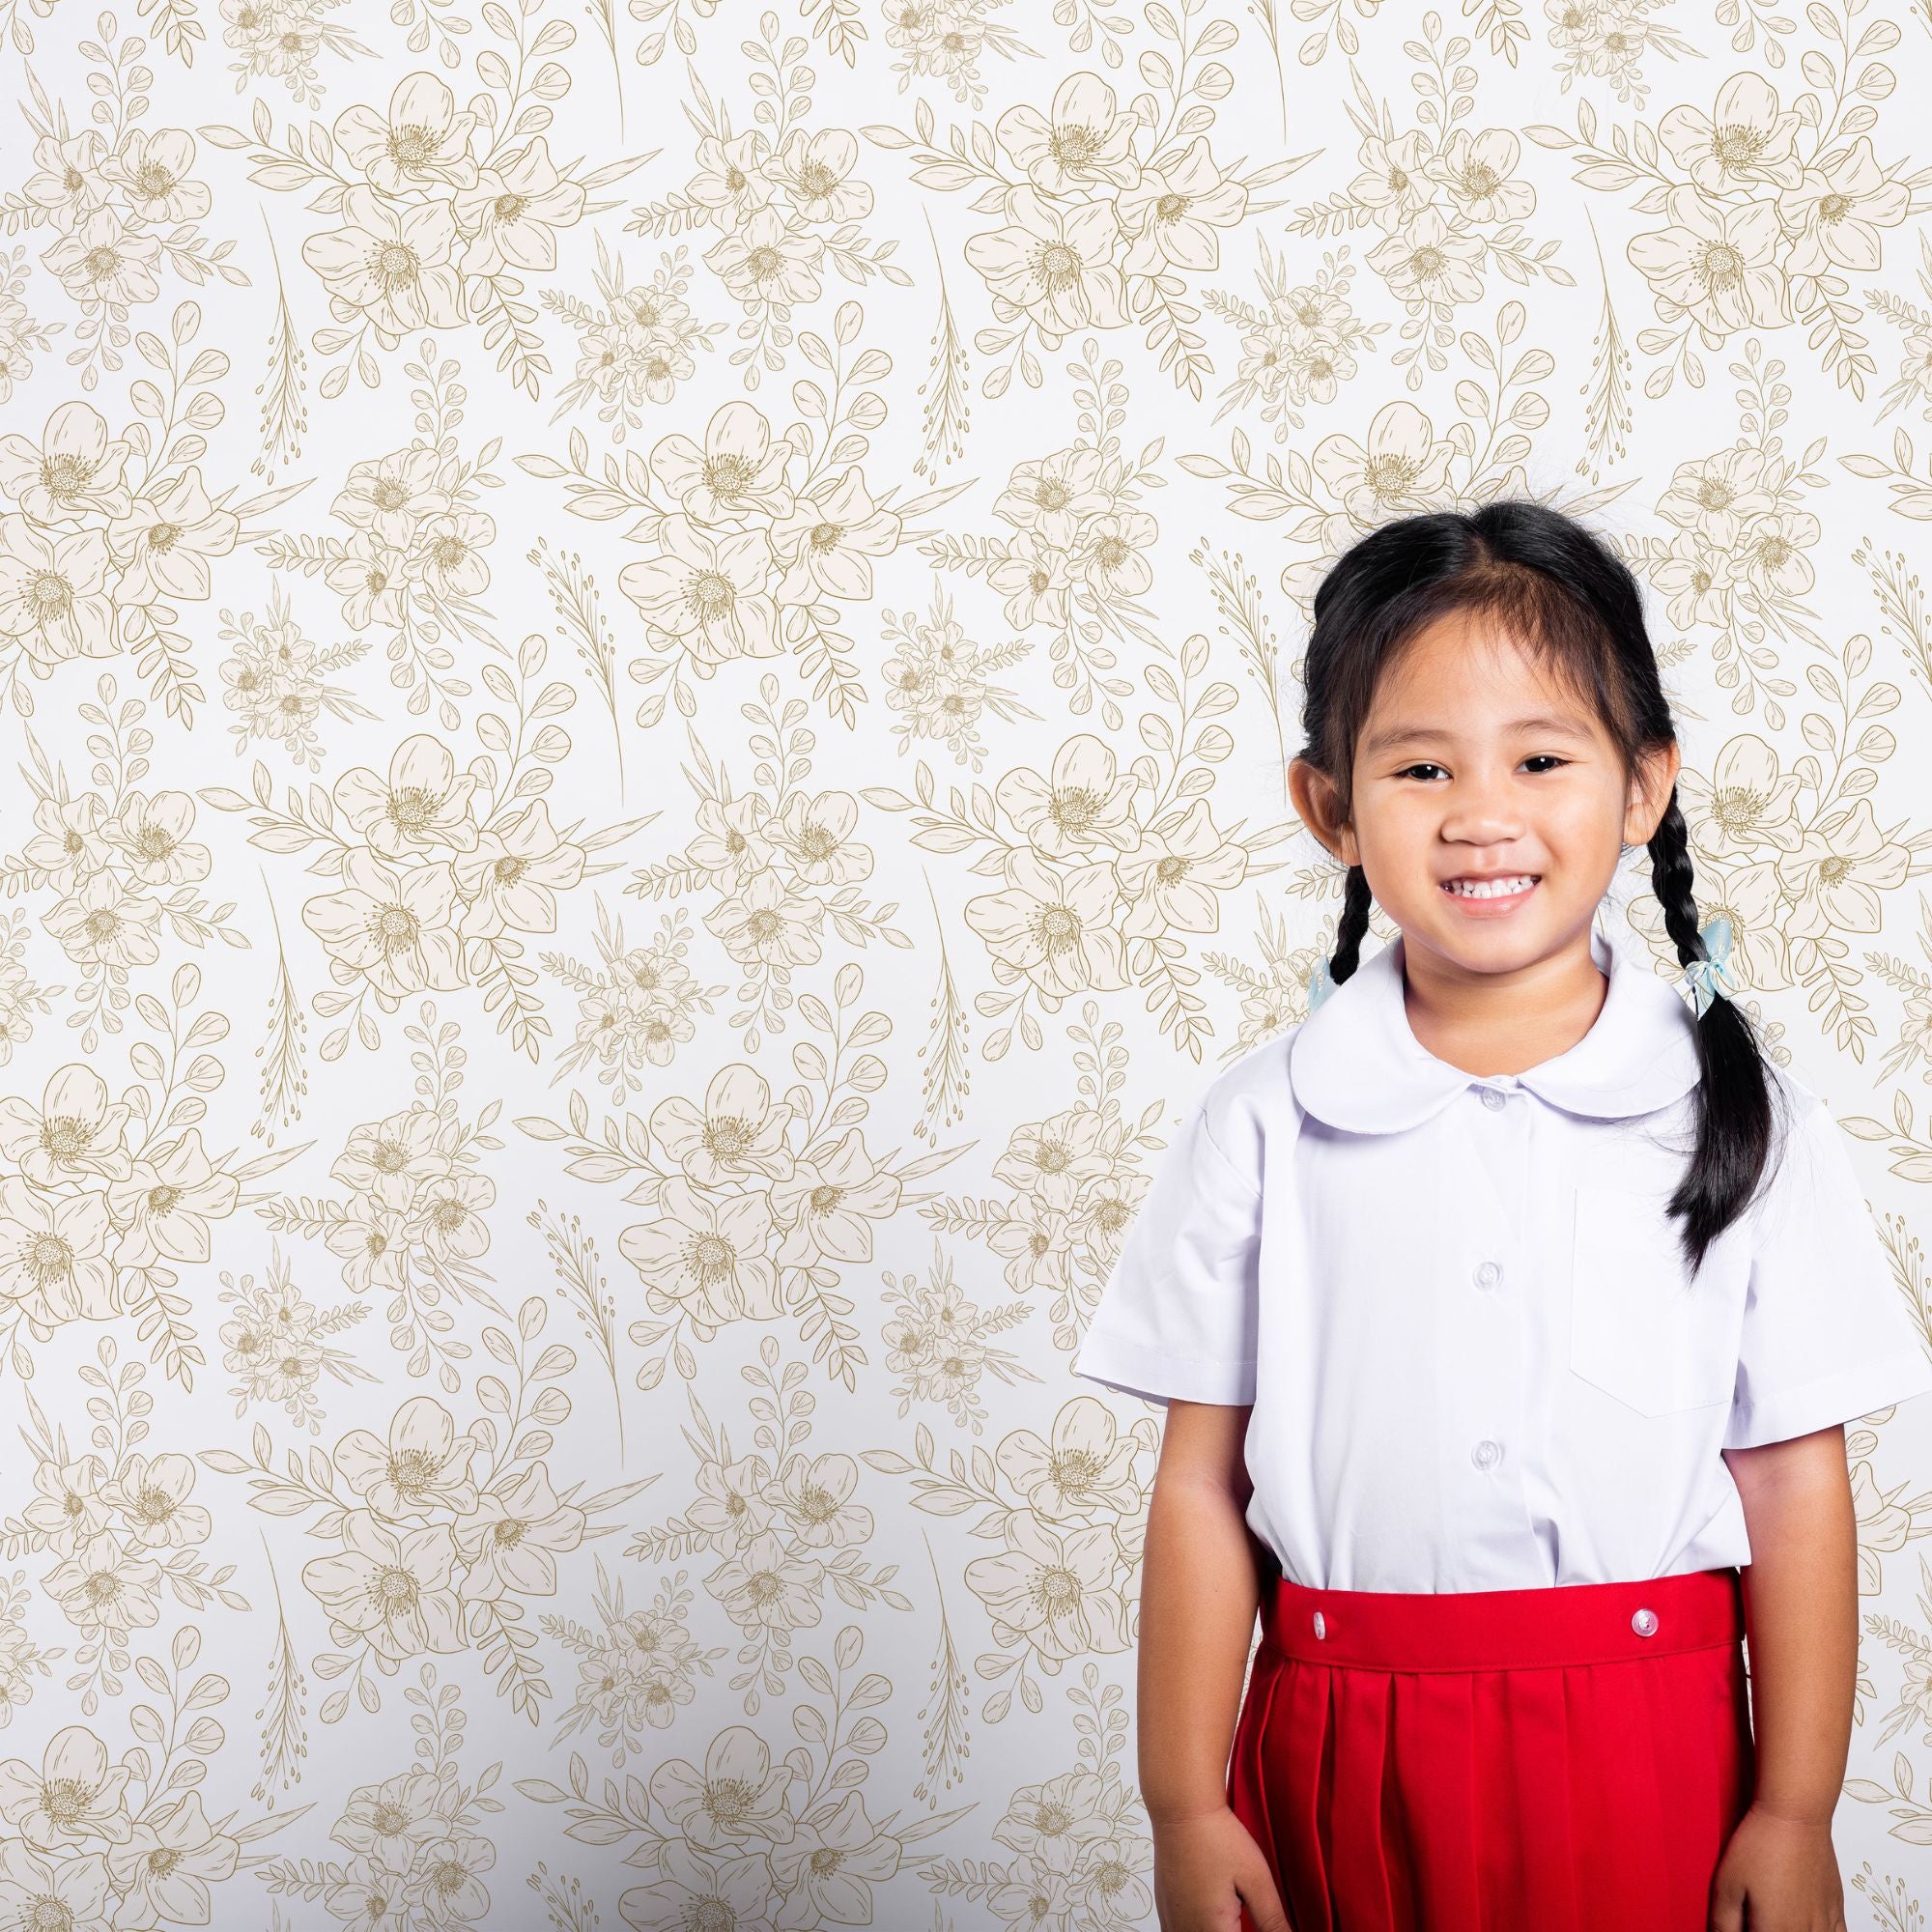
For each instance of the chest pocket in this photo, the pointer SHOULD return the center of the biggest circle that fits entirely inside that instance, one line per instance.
(1641, 1328)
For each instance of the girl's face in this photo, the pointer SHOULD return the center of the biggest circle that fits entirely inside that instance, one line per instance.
(1475, 769)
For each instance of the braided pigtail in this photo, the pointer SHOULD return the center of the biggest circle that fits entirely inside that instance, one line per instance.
(1734, 1106)
(1356, 899)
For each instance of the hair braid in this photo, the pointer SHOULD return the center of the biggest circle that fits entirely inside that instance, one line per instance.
(1734, 1117)
(1356, 899)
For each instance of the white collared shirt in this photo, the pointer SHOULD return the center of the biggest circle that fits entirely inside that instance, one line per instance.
(1475, 1354)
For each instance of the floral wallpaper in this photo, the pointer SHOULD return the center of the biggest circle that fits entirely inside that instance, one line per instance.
(646, 662)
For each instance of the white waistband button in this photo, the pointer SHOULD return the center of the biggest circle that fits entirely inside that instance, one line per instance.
(1320, 1624)
(1644, 1623)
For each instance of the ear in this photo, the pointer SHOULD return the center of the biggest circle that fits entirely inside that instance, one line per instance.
(1318, 805)
(1650, 788)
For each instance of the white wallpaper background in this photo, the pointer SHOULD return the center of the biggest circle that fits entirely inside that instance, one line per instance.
(582, 592)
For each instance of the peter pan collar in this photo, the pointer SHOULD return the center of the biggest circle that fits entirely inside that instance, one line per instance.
(1355, 1061)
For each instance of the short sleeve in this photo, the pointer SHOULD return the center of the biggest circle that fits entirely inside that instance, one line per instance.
(1177, 1316)
(1825, 1334)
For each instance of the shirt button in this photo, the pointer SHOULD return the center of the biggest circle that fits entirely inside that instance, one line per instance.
(1320, 1624)
(1644, 1623)
(1486, 1455)
(1488, 1273)
(1492, 1098)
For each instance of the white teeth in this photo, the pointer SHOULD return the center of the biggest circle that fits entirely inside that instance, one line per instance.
(1489, 889)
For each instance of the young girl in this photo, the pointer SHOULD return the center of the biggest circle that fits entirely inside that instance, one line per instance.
(1507, 1312)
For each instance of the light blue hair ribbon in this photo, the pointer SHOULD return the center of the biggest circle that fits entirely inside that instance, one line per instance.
(1321, 983)
(1712, 977)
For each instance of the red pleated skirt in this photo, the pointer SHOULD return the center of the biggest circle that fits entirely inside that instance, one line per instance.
(1568, 1759)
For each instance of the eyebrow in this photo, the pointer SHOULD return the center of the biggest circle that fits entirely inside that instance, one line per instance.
(1394, 735)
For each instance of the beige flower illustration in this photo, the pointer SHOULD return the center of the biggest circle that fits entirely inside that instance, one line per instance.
(1172, 878)
(1748, 803)
(449, 1214)
(819, 172)
(107, 1590)
(1057, 930)
(422, 805)
(1746, 138)
(75, 1794)
(53, 592)
(389, 1821)
(70, 838)
(392, 1588)
(1055, 1157)
(729, 176)
(424, 1466)
(765, 923)
(511, 1537)
(1172, 212)
(511, 213)
(70, 1508)
(151, 832)
(839, 531)
(1835, 874)
(374, 1247)
(165, 1203)
(513, 872)
(738, 1135)
(1401, 468)
(707, 1256)
(168, 1863)
(1479, 170)
(834, 1859)
(1061, 1593)
(372, 578)
(816, 835)
(151, 1495)
(1428, 260)
(53, 1255)
(1719, 266)
(70, 1894)
(1394, 184)
(737, 1794)
(76, 470)
(817, 1495)
(1081, 141)
(710, 592)
(1084, 805)
(1055, 261)
(392, 261)
(1087, 1464)
(166, 540)
(769, 1587)
(102, 924)
(729, 1891)
(735, 473)
(1838, 208)
(422, 142)
(75, 1130)
(444, 1882)
(70, 177)
(152, 171)
(452, 562)
(768, 260)
(394, 926)
(831, 1201)
(1056, 495)
(391, 1158)
(103, 260)
(390, 495)
(1719, 497)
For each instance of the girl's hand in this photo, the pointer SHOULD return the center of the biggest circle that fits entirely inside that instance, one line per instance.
(1206, 1869)
(1784, 1867)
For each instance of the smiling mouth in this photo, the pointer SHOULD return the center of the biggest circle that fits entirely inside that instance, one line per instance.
(1512, 886)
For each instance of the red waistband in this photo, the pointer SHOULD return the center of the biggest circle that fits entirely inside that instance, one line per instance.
(1506, 1629)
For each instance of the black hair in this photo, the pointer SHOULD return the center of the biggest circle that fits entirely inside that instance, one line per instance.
(1565, 597)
